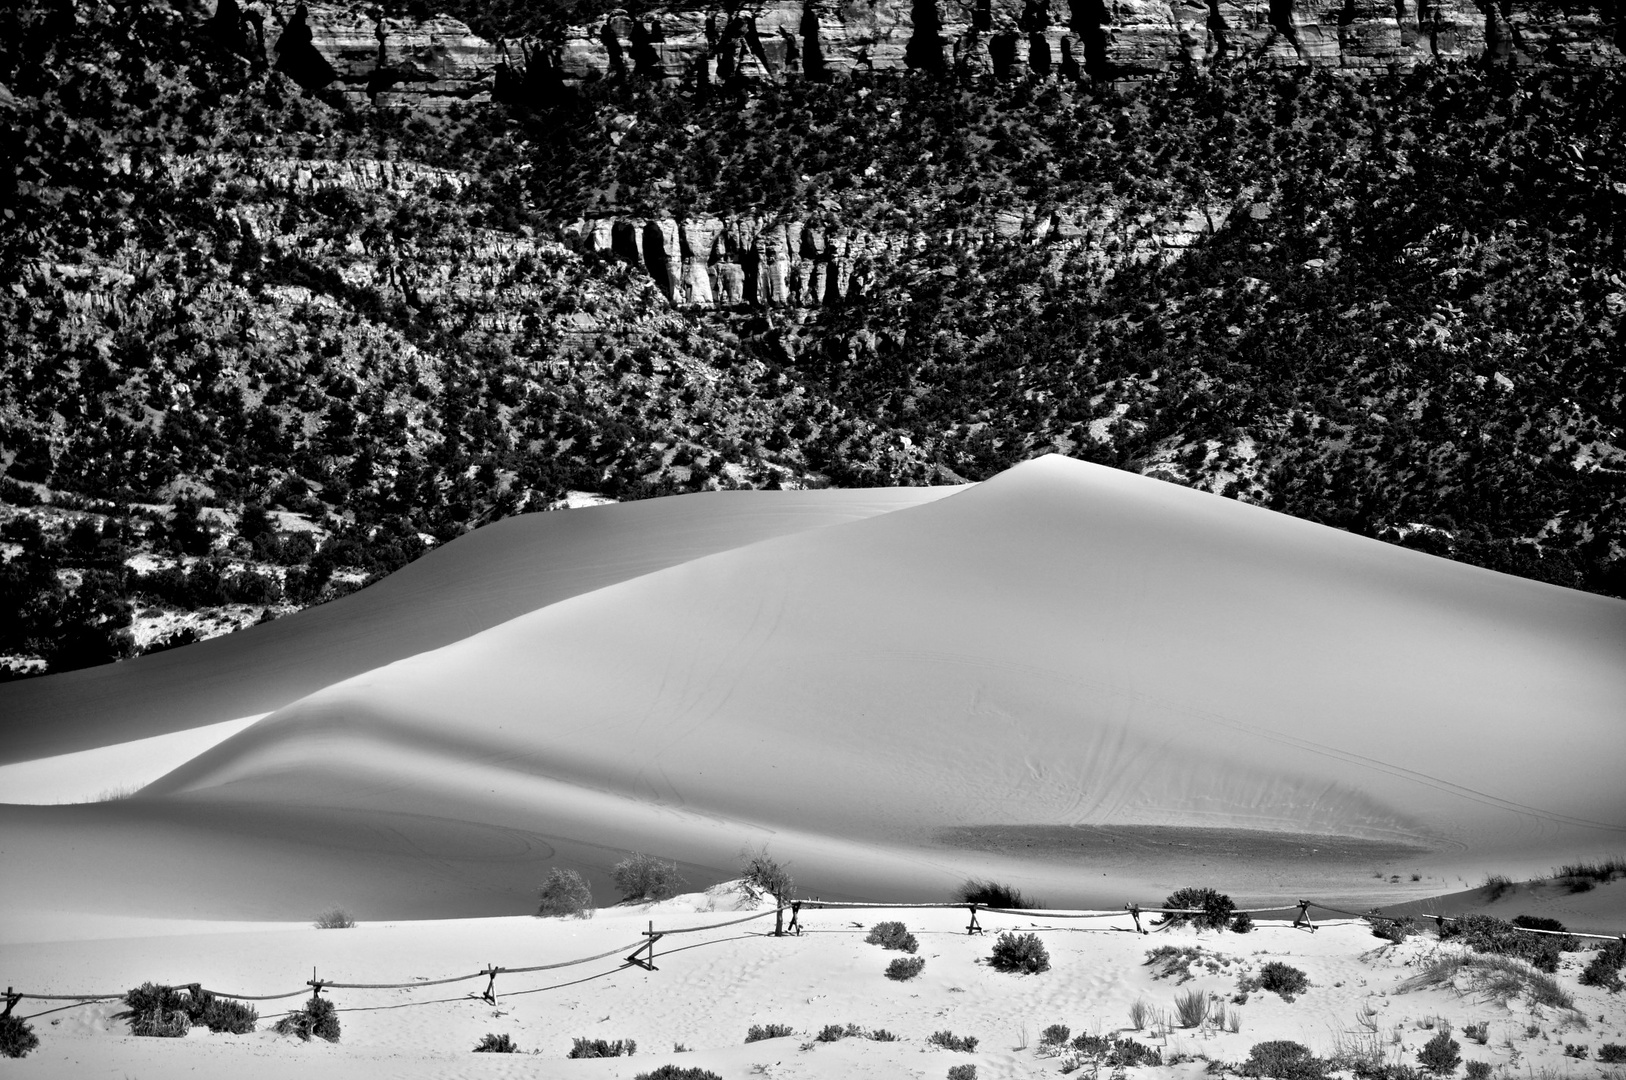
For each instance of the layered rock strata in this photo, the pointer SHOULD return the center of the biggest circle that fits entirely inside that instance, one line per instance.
(745, 262)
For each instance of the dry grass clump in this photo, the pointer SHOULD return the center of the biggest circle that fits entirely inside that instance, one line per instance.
(496, 1044)
(602, 1048)
(1496, 886)
(758, 1032)
(1582, 876)
(335, 919)
(964, 1044)
(565, 893)
(1500, 978)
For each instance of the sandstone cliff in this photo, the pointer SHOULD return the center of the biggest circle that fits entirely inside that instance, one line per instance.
(438, 60)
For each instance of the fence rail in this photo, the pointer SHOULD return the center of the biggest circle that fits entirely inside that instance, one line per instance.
(643, 950)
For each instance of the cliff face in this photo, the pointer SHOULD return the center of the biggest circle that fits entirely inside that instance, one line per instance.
(744, 262)
(435, 61)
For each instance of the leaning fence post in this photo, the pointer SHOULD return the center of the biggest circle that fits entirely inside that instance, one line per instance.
(12, 998)
(491, 987)
(1134, 913)
(649, 964)
(1303, 917)
(796, 917)
(974, 927)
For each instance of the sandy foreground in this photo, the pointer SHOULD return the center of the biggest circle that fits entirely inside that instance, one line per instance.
(711, 986)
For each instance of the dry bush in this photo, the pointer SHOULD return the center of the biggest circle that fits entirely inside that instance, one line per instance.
(892, 935)
(496, 1044)
(335, 919)
(602, 1048)
(1216, 908)
(565, 893)
(678, 1072)
(1284, 1060)
(318, 1018)
(1486, 934)
(1023, 953)
(962, 1072)
(758, 1032)
(17, 1037)
(1283, 979)
(965, 1044)
(644, 877)
(767, 875)
(995, 894)
(905, 968)
(1604, 967)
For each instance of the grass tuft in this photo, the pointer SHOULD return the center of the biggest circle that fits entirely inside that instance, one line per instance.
(335, 919)
(759, 1032)
(995, 894)
(496, 1044)
(1500, 978)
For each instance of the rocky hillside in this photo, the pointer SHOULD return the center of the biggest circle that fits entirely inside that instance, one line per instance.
(266, 334)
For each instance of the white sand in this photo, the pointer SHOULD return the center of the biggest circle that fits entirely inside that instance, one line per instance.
(110, 771)
(1062, 645)
(710, 987)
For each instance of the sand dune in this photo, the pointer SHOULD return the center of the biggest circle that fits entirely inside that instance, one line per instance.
(1061, 646)
(477, 581)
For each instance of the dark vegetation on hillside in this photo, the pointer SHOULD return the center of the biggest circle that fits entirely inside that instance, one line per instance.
(1410, 325)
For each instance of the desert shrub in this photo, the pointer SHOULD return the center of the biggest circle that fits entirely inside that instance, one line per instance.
(1216, 908)
(962, 1072)
(905, 968)
(995, 894)
(1578, 1051)
(1117, 1052)
(1612, 1053)
(1581, 876)
(1479, 1070)
(1395, 930)
(157, 1011)
(1283, 979)
(1479, 1033)
(880, 1035)
(496, 1044)
(602, 1048)
(678, 1072)
(1242, 924)
(644, 877)
(17, 1037)
(335, 919)
(228, 1017)
(965, 1044)
(831, 1033)
(318, 1018)
(767, 875)
(1023, 953)
(1191, 1008)
(1497, 977)
(1498, 937)
(565, 892)
(892, 935)
(1285, 1060)
(1536, 922)
(1055, 1035)
(161, 1025)
(1439, 1054)
(1604, 967)
(758, 1032)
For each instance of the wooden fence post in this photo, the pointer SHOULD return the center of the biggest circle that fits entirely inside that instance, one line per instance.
(491, 987)
(646, 964)
(974, 927)
(1134, 913)
(1303, 917)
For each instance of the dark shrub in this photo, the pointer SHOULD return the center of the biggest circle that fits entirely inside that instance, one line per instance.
(831, 1033)
(1023, 953)
(1117, 1052)
(335, 919)
(1285, 1060)
(1612, 1053)
(318, 1018)
(17, 1037)
(1479, 1070)
(1535, 922)
(892, 935)
(1395, 930)
(1604, 968)
(994, 894)
(496, 1044)
(565, 893)
(1439, 1054)
(1498, 937)
(905, 968)
(1242, 924)
(644, 877)
(1578, 1051)
(1283, 979)
(767, 875)
(602, 1048)
(228, 1017)
(965, 1044)
(758, 1032)
(158, 1011)
(1055, 1035)
(962, 1072)
(1216, 908)
(881, 1035)
(678, 1072)
(161, 1025)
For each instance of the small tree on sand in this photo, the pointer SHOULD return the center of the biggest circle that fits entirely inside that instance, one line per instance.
(644, 877)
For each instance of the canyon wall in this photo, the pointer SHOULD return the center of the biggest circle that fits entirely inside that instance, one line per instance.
(438, 60)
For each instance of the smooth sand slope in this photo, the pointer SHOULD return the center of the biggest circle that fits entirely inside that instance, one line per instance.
(1064, 645)
(477, 581)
